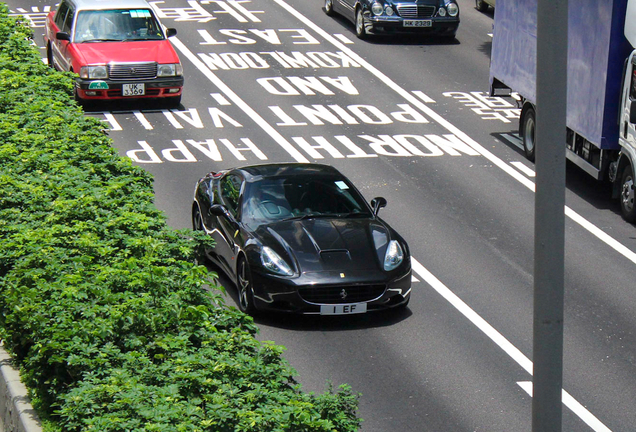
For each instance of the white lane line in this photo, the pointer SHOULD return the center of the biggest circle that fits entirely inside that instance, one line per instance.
(343, 38)
(502, 342)
(601, 235)
(574, 406)
(421, 95)
(472, 316)
(142, 119)
(220, 99)
(524, 169)
(229, 93)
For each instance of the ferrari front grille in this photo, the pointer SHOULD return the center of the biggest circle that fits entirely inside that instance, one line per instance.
(341, 294)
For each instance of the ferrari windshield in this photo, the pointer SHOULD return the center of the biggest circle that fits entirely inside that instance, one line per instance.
(301, 197)
(117, 25)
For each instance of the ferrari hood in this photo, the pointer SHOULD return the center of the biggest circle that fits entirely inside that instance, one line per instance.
(329, 244)
(127, 52)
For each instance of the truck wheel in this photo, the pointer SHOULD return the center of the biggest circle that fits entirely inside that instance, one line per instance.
(528, 127)
(628, 206)
(481, 5)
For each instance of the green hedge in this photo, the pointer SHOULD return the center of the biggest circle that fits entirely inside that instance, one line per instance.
(101, 305)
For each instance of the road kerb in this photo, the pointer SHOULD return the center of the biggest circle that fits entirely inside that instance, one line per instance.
(16, 412)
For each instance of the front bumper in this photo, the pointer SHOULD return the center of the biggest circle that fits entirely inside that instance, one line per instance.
(109, 89)
(307, 293)
(443, 26)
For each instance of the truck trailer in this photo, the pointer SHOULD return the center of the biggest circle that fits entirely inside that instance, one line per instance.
(601, 85)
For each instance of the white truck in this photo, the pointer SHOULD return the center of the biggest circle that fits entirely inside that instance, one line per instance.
(601, 93)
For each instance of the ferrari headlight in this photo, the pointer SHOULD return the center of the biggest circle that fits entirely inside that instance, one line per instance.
(394, 256)
(168, 70)
(452, 9)
(377, 8)
(274, 263)
(94, 72)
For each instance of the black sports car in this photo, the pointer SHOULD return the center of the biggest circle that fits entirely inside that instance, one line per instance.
(440, 17)
(300, 238)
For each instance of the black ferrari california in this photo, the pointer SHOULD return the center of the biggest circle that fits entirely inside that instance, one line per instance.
(301, 238)
(440, 17)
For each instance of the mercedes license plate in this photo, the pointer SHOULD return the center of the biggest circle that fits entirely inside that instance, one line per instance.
(417, 23)
(133, 89)
(343, 309)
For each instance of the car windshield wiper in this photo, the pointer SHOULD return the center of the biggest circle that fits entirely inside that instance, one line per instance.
(102, 40)
(313, 216)
(357, 215)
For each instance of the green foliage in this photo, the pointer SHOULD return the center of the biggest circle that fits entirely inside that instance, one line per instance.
(114, 327)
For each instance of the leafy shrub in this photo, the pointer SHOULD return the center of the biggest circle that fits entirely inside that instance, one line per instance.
(114, 327)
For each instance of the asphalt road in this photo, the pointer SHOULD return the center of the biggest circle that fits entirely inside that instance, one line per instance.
(408, 119)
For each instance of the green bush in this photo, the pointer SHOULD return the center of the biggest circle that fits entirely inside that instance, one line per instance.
(113, 326)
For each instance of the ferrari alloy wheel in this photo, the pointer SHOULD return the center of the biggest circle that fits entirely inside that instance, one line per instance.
(361, 31)
(628, 206)
(528, 124)
(244, 288)
(329, 7)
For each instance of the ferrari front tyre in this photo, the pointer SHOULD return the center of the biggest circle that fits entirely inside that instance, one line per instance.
(628, 207)
(244, 288)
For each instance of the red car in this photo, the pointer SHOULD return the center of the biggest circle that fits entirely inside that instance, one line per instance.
(117, 47)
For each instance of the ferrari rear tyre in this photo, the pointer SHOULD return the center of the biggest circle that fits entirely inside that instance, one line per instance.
(197, 225)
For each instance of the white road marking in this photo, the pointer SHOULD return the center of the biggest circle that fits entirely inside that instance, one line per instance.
(424, 97)
(524, 169)
(142, 119)
(472, 316)
(601, 235)
(576, 408)
(503, 343)
(229, 93)
(343, 38)
(220, 99)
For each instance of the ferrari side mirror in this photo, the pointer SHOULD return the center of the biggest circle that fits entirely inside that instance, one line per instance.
(218, 210)
(377, 203)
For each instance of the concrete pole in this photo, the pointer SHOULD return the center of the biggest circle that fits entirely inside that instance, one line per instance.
(549, 222)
